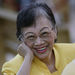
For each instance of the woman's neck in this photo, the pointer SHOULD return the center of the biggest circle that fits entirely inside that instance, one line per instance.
(50, 62)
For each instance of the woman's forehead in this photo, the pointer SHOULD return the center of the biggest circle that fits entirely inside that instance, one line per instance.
(37, 28)
(41, 23)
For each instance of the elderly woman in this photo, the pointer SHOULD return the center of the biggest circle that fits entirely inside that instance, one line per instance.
(38, 54)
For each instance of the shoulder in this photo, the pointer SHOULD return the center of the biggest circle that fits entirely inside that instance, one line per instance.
(65, 53)
(13, 65)
(64, 44)
(65, 47)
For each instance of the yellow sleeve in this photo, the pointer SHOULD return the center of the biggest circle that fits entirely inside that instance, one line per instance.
(8, 73)
(7, 70)
(11, 67)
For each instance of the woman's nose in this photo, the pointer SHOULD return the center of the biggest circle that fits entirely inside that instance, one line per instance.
(39, 41)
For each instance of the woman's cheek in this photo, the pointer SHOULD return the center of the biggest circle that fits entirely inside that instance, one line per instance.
(51, 40)
(28, 44)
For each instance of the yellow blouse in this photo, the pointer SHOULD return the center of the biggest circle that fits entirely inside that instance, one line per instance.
(64, 53)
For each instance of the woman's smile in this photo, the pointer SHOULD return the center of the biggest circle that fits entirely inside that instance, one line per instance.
(41, 50)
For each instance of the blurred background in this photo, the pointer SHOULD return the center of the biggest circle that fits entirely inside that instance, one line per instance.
(64, 12)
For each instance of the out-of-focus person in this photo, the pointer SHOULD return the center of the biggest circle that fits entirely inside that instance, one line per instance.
(69, 69)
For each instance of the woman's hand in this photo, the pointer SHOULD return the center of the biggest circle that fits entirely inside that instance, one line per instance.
(23, 50)
(26, 52)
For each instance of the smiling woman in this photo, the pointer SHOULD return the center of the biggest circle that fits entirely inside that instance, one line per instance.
(40, 38)
(38, 54)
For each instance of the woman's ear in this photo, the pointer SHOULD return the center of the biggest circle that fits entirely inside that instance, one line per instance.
(55, 33)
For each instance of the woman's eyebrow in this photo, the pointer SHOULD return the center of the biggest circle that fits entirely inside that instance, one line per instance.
(44, 28)
(28, 33)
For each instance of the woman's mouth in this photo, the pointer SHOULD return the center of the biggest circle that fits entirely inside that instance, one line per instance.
(41, 50)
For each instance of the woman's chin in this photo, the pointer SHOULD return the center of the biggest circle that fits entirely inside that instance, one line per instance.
(42, 55)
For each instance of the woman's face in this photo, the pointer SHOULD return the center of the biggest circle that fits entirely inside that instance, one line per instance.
(40, 37)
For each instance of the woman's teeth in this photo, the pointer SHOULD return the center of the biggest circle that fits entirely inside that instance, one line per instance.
(42, 50)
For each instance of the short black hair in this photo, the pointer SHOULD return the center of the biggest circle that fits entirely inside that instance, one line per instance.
(28, 15)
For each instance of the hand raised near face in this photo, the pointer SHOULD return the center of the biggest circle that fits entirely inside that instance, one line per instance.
(23, 50)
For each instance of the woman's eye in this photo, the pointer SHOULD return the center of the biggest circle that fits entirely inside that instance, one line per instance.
(45, 34)
(31, 37)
